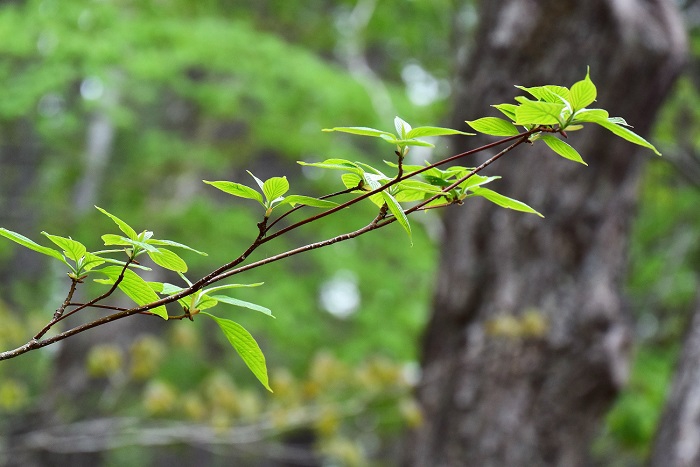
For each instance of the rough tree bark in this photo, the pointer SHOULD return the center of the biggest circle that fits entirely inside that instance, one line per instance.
(677, 442)
(527, 344)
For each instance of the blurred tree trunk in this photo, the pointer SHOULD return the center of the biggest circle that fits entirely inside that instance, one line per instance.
(677, 442)
(527, 344)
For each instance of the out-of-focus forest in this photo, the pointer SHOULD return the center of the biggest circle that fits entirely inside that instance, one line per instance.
(128, 105)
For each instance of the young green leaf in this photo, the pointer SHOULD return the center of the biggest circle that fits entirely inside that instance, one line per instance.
(243, 304)
(168, 260)
(506, 109)
(236, 189)
(25, 242)
(112, 239)
(307, 201)
(257, 180)
(562, 148)
(274, 188)
(335, 164)
(88, 262)
(402, 127)
(493, 126)
(627, 134)
(175, 245)
(134, 287)
(503, 201)
(583, 93)
(351, 180)
(550, 93)
(538, 113)
(232, 286)
(72, 249)
(589, 115)
(422, 131)
(123, 226)
(245, 345)
(358, 130)
(396, 209)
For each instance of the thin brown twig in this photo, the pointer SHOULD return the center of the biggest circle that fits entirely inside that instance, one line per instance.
(226, 270)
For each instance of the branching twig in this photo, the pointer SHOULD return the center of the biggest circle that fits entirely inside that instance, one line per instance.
(232, 268)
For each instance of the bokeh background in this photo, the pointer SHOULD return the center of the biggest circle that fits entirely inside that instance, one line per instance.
(130, 104)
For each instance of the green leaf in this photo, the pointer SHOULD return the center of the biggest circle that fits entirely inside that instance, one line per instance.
(274, 188)
(589, 115)
(402, 127)
(351, 180)
(538, 113)
(359, 130)
(71, 248)
(243, 304)
(503, 201)
(245, 345)
(493, 126)
(112, 239)
(257, 180)
(335, 164)
(396, 209)
(422, 131)
(135, 288)
(25, 242)
(583, 93)
(550, 93)
(506, 109)
(88, 262)
(168, 260)
(123, 226)
(236, 189)
(562, 148)
(308, 201)
(627, 134)
(476, 180)
(205, 301)
(174, 244)
(232, 286)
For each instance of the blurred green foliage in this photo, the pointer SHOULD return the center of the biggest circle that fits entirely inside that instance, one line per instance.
(180, 91)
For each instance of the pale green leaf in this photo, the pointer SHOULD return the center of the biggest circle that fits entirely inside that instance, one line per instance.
(402, 127)
(422, 131)
(242, 304)
(627, 134)
(335, 164)
(257, 180)
(175, 245)
(275, 187)
(506, 109)
(359, 130)
(236, 189)
(123, 226)
(25, 242)
(351, 180)
(89, 261)
(562, 148)
(396, 209)
(135, 288)
(232, 286)
(583, 93)
(589, 115)
(308, 201)
(538, 113)
(503, 201)
(168, 260)
(245, 345)
(493, 126)
(112, 239)
(72, 249)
